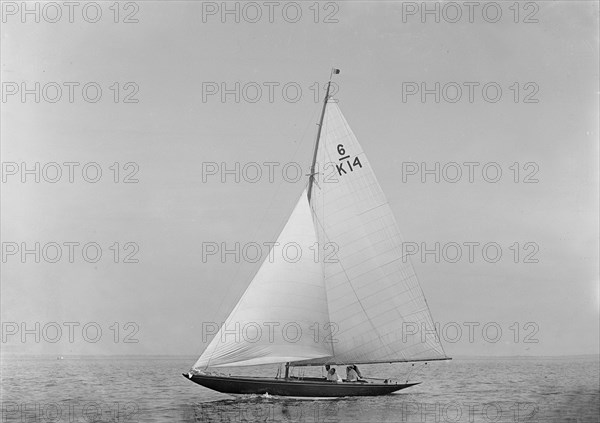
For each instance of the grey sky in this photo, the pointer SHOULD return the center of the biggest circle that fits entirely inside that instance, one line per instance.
(171, 132)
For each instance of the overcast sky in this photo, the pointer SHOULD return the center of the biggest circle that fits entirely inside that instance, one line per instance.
(177, 128)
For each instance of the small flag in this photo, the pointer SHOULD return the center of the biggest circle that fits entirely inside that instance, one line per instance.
(336, 71)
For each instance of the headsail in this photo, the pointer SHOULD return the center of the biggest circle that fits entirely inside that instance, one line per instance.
(374, 298)
(272, 321)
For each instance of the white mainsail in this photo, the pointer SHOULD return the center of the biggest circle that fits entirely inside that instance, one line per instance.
(275, 319)
(374, 298)
(362, 307)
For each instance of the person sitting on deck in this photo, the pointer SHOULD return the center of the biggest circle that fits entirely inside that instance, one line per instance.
(351, 374)
(332, 376)
(357, 371)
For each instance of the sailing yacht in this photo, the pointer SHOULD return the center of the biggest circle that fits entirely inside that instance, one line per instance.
(352, 309)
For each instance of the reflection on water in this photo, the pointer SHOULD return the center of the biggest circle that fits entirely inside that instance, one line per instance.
(132, 389)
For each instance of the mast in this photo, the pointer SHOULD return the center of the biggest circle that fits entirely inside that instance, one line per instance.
(314, 161)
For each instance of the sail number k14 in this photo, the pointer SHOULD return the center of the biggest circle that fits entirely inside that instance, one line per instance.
(346, 159)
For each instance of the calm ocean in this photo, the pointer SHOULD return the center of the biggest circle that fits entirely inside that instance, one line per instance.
(130, 389)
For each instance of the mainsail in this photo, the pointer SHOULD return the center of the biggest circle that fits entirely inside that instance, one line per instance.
(363, 306)
(374, 299)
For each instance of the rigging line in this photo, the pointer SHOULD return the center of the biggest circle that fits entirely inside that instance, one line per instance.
(258, 227)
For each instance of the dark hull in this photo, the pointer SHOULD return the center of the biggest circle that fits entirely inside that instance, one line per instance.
(310, 387)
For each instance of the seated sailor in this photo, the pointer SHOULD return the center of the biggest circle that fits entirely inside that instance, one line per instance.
(327, 367)
(332, 376)
(351, 374)
(357, 371)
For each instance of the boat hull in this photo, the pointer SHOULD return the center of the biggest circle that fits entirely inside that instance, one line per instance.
(293, 387)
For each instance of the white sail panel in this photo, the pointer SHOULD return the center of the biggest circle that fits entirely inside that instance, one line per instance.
(275, 319)
(374, 298)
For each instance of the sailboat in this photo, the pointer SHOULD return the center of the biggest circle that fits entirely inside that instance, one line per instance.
(352, 309)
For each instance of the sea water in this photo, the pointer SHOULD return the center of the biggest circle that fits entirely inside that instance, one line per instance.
(152, 389)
